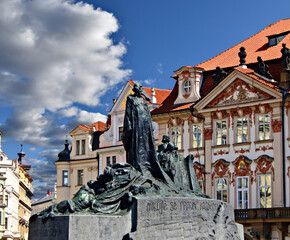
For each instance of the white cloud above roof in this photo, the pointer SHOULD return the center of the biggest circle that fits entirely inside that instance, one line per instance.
(55, 54)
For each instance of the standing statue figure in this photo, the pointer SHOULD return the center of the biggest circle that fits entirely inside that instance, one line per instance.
(263, 68)
(138, 138)
(285, 56)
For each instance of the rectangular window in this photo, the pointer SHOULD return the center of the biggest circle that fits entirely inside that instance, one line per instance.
(242, 192)
(264, 127)
(64, 178)
(221, 132)
(83, 146)
(114, 159)
(77, 147)
(176, 136)
(196, 135)
(242, 130)
(221, 189)
(108, 161)
(265, 191)
(121, 130)
(80, 176)
(111, 160)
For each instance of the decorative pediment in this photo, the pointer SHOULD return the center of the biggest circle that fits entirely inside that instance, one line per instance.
(238, 92)
(120, 102)
(221, 168)
(264, 165)
(242, 166)
(78, 131)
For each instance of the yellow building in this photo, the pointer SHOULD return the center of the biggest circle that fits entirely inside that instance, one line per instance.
(25, 194)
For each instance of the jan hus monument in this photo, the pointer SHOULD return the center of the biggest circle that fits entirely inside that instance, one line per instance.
(155, 195)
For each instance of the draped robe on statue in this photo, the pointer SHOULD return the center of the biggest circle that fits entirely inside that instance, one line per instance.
(138, 139)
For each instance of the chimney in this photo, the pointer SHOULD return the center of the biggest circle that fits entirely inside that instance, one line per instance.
(153, 98)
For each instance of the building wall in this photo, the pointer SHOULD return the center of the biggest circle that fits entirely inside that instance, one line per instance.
(10, 172)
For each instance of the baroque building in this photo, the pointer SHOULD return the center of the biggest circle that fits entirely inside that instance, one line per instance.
(232, 114)
(98, 145)
(15, 197)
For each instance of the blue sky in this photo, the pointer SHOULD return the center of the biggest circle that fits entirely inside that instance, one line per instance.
(62, 62)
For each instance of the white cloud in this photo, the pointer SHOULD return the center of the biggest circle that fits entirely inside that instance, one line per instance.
(55, 54)
(149, 82)
(160, 68)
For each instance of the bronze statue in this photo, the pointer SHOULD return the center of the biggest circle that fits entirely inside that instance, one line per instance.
(114, 190)
(138, 138)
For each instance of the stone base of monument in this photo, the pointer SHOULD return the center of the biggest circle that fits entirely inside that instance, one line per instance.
(150, 218)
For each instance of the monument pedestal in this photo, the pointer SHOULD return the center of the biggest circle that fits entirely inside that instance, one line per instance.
(150, 218)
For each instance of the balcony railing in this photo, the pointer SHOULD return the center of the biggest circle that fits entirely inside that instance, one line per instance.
(262, 213)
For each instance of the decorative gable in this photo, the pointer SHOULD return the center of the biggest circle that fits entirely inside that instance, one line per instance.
(188, 84)
(240, 87)
(239, 92)
(78, 131)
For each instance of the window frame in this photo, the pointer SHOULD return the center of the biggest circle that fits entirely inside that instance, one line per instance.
(83, 146)
(111, 160)
(199, 135)
(265, 186)
(222, 189)
(243, 190)
(80, 177)
(187, 86)
(78, 147)
(120, 133)
(221, 130)
(64, 177)
(242, 128)
(263, 124)
(174, 139)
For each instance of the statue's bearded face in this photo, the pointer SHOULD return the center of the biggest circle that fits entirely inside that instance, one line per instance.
(137, 88)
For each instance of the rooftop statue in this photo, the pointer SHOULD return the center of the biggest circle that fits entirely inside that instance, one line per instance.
(242, 55)
(219, 74)
(285, 56)
(146, 173)
(263, 68)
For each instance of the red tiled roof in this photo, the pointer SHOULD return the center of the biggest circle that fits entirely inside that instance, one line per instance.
(250, 73)
(168, 104)
(257, 45)
(160, 94)
(99, 126)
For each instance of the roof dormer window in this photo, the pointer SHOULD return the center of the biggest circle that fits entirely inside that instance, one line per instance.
(275, 39)
(187, 87)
